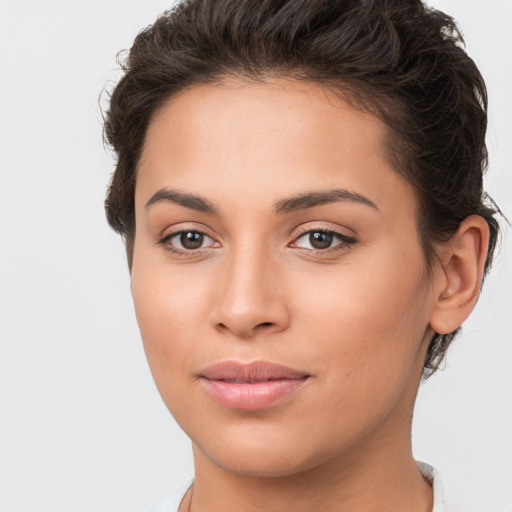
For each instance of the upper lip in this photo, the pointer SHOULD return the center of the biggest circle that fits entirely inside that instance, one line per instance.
(253, 371)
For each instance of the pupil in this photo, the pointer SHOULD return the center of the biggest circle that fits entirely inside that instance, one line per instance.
(191, 239)
(320, 240)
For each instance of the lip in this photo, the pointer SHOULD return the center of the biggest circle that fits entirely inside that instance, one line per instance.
(251, 386)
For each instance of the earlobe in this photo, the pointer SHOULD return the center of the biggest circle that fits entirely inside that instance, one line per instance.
(462, 261)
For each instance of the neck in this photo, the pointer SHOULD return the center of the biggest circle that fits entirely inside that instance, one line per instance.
(387, 479)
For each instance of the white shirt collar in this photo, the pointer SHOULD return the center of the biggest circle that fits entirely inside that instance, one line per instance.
(433, 477)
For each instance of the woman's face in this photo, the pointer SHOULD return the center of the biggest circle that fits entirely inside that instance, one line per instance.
(272, 229)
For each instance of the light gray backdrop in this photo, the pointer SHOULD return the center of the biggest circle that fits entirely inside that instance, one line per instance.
(82, 427)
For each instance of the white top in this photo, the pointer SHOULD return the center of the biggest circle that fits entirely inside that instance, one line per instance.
(172, 503)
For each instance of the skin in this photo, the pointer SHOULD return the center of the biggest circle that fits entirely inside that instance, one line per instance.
(357, 317)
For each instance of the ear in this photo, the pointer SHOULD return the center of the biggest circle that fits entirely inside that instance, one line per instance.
(458, 281)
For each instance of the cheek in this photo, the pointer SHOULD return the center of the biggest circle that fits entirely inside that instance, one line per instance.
(170, 312)
(170, 315)
(368, 320)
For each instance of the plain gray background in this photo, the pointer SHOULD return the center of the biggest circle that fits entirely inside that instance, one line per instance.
(82, 427)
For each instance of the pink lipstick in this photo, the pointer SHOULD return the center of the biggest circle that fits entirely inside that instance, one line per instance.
(252, 386)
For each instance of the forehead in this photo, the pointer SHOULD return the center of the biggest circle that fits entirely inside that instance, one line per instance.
(241, 115)
(282, 134)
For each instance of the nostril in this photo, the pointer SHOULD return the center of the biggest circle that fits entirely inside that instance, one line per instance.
(245, 332)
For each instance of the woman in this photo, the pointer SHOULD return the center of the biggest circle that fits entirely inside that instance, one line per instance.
(299, 185)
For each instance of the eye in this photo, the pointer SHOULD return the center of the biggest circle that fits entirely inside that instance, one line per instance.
(322, 240)
(187, 240)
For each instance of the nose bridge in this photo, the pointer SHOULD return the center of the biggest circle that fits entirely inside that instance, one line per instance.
(249, 295)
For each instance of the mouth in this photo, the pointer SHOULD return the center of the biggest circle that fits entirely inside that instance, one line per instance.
(253, 386)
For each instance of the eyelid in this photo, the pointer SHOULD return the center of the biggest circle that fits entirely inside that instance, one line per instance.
(345, 240)
(169, 233)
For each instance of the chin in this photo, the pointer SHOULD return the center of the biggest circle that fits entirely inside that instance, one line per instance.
(268, 463)
(262, 454)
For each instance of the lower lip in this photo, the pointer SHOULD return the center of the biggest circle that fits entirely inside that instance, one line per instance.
(251, 396)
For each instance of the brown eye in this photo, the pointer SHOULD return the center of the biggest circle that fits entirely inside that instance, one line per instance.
(320, 239)
(191, 239)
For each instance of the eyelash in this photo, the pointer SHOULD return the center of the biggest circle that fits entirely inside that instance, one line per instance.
(346, 241)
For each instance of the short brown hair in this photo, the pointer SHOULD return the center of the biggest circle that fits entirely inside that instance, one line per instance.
(398, 59)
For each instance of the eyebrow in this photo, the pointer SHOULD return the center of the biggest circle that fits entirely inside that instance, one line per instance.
(187, 200)
(311, 199)
(300, 202)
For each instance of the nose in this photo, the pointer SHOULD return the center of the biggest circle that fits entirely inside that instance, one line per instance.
(250, 297)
